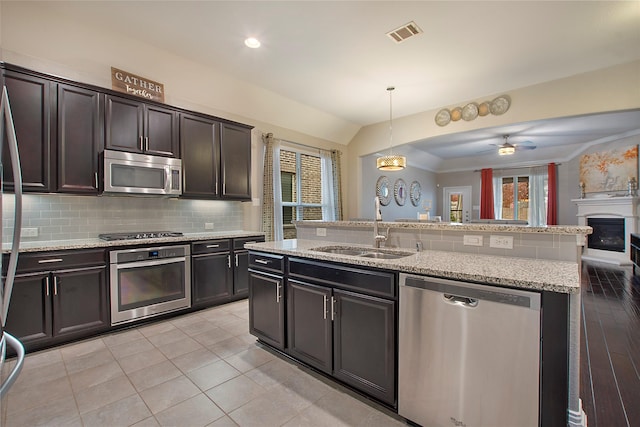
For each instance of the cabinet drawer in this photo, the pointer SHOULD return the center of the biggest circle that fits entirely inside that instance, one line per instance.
(266, 262)
(372, 282)
(238, 243)
(47, 261)
(211, 246)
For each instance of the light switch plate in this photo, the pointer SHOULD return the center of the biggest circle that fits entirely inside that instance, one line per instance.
(472, 240)
(322, 232)
(208, 226)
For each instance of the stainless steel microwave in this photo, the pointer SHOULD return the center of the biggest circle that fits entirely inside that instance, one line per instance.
(141, 174)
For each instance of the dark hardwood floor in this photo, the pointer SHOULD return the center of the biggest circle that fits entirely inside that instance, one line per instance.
(610, 345)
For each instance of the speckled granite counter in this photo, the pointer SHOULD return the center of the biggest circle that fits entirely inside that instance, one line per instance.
(57, 245)
(452, 226)
(525, 273)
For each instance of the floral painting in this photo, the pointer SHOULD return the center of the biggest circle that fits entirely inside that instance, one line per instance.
(608, 170)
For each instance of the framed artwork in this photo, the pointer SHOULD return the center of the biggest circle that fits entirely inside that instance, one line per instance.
(609, 171)
(400, 191)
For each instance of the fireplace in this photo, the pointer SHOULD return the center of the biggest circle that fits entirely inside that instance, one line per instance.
(608, 234)
(613, 220)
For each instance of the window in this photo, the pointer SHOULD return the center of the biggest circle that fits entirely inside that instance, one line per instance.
(515, 197)
(301, 183)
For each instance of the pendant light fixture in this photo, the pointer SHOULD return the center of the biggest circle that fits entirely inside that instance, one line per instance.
(391, 162)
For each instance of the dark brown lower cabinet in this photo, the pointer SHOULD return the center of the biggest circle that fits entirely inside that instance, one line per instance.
(51, 307)
(345, 334)
(364, 349)
(266, 308)
(309, 325)
(241, 273)
(212, 278)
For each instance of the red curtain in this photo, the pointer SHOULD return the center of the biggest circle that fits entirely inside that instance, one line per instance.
(552, 204)
(486, 195)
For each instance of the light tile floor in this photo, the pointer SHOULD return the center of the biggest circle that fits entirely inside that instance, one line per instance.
(198, 369)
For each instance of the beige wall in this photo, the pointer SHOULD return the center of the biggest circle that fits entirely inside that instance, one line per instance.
(611, 89)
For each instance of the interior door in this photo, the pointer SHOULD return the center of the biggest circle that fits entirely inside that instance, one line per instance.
(457, 204)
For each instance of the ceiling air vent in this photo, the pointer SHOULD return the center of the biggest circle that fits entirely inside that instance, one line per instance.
(401, 34)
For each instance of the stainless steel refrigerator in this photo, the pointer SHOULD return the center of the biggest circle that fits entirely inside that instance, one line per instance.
(9, 369)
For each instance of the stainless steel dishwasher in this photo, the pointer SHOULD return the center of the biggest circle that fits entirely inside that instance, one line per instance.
(469, 354)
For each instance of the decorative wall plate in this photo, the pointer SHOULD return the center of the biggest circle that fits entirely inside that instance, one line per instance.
(415, 193)
(456, 114)
(500, 105)
(383, 190)
(470, 111)
(400, 191)
(484, 109)
(443, 117)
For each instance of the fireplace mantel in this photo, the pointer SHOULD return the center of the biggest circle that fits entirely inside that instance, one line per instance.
(610, 207)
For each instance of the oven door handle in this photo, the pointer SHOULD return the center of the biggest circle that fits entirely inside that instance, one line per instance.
(151, 263)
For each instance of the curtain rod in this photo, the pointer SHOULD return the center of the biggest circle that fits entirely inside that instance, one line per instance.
(270, 135)
(518, 167)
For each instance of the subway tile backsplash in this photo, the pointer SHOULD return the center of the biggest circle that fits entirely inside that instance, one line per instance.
(62, 217)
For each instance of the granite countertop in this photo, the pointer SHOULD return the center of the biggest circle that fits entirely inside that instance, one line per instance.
(57, 245)
(454, 226)
(524, 273)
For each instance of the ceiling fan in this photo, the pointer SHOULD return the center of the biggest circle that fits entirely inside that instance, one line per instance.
(507, 149)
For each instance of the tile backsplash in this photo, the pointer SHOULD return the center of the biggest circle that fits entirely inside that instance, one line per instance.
(62, 217)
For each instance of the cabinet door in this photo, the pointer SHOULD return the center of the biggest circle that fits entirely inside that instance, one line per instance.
(241, 273)
(80, 139)
(30, 101)
(124, 124)
(235, 161)
(29, 317)
(309, 336)
(80, 302)
(212, 279)
(266, 308)
(364, 343)
(200, 156)
(161, 136)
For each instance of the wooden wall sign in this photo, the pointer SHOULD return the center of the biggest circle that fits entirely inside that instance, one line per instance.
(125, 82)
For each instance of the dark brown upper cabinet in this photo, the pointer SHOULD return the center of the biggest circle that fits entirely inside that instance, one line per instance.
(139, 127)
(200, 156)
(30, 98)
(235, 161)
(80, 139)
(216, 158)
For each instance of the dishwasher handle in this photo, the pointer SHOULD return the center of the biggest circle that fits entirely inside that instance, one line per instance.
(459, 300)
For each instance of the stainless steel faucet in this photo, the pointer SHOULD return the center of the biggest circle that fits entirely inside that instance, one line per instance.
(377, 237)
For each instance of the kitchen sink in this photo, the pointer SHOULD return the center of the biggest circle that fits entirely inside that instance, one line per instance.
(385, 255)
(362, 252)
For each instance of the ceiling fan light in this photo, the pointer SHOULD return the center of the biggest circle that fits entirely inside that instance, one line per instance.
(506, 150)
(392, 162)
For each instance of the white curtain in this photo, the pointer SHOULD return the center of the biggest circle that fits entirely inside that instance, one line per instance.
(326, 178)
(537, 193)
(277, 194)
(497, 195)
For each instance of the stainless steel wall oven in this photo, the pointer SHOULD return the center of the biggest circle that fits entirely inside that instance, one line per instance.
(149, 281)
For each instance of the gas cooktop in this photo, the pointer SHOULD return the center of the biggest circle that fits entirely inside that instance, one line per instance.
(140, 235)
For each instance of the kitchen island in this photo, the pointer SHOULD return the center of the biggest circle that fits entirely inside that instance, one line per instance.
(552, 269)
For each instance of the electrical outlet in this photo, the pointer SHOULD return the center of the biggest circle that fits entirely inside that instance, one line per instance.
(29, 232)
(208, 226)
(322, 232)
(501, 242)
(472, 240)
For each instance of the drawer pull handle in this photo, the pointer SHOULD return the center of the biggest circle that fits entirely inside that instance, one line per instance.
(251, 242)
(213, 246)
(262, 261)
(48, 261)
(278, 287)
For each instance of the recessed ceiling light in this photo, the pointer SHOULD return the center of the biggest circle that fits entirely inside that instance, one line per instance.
(252, 42)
